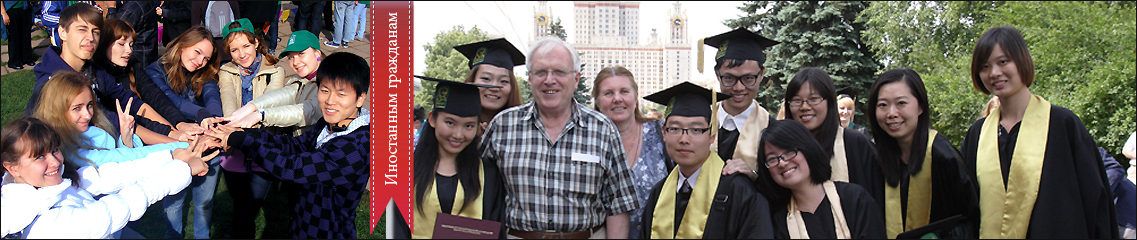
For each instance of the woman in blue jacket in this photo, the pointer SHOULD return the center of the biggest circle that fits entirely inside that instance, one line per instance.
(187, 74)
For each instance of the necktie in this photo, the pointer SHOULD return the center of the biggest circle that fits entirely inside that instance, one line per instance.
(681, 203)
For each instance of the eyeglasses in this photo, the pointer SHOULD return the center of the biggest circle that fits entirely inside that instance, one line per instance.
(674, 131)
(813, 101)
(774, 161)
(544, 73)
(730, 80)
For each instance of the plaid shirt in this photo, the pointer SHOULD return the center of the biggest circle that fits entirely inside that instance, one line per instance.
(331, 175)
(568, 185)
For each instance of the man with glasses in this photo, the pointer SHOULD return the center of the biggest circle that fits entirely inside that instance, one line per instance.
(738, 65)
(690, 203)
(562, 162)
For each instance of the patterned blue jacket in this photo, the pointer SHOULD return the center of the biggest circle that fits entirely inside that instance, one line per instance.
(332, 177)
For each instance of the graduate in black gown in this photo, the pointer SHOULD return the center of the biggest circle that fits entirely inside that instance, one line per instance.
(449, 177)
(1038, 169)
(924, 173)
(696, 200)
(806, 203)
(738, 67)
(811, 99)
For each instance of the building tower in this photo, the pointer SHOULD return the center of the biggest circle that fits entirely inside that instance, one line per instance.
(542, 19)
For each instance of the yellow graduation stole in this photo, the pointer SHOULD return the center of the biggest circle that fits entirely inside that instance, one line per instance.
(757, 120)
(424, 219)
(1006, 211)
(839, 162)
(698, 207)
(796, 225)
(919, 197)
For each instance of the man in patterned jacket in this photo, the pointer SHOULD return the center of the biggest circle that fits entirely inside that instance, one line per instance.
(329, 161)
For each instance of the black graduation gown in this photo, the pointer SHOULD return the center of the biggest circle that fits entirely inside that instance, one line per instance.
(864, 170)
(861, 213)
(954, 191)
(744, 215)
(1074, 200)
(728, 140)
(493, 202)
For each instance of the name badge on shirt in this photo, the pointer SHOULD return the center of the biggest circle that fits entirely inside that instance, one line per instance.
(585, 157)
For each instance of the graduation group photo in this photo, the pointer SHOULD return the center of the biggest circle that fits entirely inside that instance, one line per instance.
(177, 119)
(772, 119)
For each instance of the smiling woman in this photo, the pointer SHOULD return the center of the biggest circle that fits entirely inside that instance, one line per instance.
(491, 63)
(187, 74)
(616, 94)
(251, 73)
(811, 100)
(805, 202)
(1027, 145)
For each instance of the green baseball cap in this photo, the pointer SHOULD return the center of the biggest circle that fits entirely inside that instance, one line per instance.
(245, 26)
(300, 41)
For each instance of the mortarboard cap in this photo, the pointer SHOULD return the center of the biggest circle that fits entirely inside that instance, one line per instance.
(848, 92)
(740, 44)
(457, 98)
(496, 52)
(687, 99)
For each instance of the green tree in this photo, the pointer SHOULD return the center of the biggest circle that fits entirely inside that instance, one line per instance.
(556, 29)
(523, 86)
(813, 34)
(1083, 54)
(934, 39)
(443, 62)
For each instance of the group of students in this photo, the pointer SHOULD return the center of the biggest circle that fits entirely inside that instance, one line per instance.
(73, 168)
(1028, 170)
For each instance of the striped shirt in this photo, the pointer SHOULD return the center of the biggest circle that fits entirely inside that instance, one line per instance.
(568, 185)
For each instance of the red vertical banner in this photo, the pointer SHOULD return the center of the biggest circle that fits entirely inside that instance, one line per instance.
(392, 98)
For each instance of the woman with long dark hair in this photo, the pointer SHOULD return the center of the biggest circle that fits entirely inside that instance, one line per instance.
(805, 202)
(1038, 169)
(114, 53)
(450, 177)
(811, 99)
(924, 174)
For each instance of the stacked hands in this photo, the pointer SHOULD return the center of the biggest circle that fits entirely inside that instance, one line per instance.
(186, 132)
(207, 139)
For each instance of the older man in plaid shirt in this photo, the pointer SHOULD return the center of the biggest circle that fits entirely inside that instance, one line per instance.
(563, 164)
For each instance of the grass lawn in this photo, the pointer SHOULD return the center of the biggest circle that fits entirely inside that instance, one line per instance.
(16, 88)
(272, 222)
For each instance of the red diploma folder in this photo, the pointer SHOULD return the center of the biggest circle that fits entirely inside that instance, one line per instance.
(448, 226)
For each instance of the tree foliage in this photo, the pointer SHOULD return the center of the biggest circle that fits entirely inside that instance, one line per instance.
(556, 29)
(813, 34)
(1084, 55)
(443, 62)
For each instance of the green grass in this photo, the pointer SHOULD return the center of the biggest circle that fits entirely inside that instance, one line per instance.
(16, 87)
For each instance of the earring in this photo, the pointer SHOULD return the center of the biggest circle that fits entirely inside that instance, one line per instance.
(317, 58)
